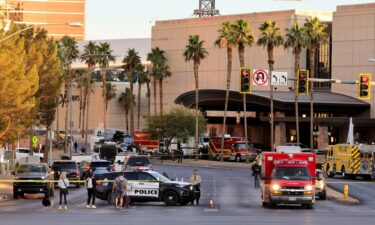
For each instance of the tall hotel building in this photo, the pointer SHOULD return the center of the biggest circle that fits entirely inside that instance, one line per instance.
(45, 12)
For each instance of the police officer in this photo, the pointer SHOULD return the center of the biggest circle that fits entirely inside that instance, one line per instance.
(180, 152)
(196, 179)
(256, 173)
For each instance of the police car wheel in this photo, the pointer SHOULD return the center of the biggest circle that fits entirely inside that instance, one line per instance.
(170, 198)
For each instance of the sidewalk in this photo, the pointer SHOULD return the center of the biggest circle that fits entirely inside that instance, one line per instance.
(338, 196)
(6, 188)
(205, 163)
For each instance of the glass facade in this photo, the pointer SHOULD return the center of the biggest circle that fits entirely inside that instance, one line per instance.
(43, 13)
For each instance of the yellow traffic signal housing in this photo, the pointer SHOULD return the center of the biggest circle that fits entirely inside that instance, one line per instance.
(302, 82)
(245, 80)
(364, 86)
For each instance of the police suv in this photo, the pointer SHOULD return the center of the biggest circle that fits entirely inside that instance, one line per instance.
(146, 186)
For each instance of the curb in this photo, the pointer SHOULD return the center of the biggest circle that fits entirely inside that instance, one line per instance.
(339, 197)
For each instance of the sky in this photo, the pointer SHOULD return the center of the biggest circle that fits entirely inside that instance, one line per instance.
(118, 19)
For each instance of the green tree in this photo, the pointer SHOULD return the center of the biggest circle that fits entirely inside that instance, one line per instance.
(315, 35)
(68, 52)
(226, 40)
(127, 99)
(243, 36)
(132, 61)
(178, 123)
(104, 57)
(270, 38)
(295, 39)
(90, 57)
(158, 60)
(110, 93)
(195, 52)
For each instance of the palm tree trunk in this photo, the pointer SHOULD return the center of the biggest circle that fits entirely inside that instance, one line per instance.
(229, 73)
(154, 84)
(46, 146)
(270, 64)
(84, 110)
(80, 107)
(57, 113)
(87, 108)
(161, 95)
(149, 98)
(67, 88)
(241, 55)
(296, 66)
(196, 65)
(139, 103)
(312, 75)
(127, 120)
(104, 76)
(131, 110)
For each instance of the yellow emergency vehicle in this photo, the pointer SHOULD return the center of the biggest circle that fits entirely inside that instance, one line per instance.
(350, 161)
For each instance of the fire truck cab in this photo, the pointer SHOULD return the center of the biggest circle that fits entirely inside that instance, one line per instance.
(234, 149)
(288, 178)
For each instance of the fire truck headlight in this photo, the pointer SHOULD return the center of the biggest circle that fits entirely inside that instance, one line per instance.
(275, 187)
(308, 188)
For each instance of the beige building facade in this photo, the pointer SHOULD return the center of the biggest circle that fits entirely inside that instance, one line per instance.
(47, 12)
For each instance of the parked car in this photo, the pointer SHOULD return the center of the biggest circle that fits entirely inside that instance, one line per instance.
(68, 166)
(33, 171)
(147, 186)
(137, 163)
(320, 185)
(95, 167)
(22, 152)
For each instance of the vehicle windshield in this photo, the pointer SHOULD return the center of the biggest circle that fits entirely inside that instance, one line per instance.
(32, 169)
(291, 173)
(138, 161)
(64, 165)
(159, 177)
(240, 146)
(100, 164)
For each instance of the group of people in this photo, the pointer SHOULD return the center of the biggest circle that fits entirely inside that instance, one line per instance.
(120, 189)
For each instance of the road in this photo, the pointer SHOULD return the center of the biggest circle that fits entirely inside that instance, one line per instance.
(239, 203)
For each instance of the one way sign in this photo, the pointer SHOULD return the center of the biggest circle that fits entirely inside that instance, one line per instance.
(279, 78)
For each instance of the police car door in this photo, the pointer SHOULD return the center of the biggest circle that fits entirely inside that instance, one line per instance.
(146, 187)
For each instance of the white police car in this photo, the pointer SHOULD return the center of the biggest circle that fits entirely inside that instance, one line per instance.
(146, 186)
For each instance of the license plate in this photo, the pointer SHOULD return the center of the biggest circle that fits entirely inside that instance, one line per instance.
(292, 199)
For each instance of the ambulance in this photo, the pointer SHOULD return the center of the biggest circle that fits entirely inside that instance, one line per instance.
(350, 161)
(288, 178)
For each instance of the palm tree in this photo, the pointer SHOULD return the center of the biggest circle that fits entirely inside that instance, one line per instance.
(90, 56)
(270, 38)
(140, 73)
(68, 52)
(110, 93)
(157, 58)
(226, 40)
(243, 36)
(131, 60)
(127, 99)
(104, 57)
(295, 39)
(195, 52)
(315, 35)
(164, 72)
(146, 78)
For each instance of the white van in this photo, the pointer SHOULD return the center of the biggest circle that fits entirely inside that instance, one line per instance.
(22, 153)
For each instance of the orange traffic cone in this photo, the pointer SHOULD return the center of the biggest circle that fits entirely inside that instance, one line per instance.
(211, 204)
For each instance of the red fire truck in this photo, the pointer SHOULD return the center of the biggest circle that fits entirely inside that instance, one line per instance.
(234, 149)
(288, 178)
(142, 140)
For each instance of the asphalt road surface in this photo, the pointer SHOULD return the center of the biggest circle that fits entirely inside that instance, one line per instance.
(232, 189)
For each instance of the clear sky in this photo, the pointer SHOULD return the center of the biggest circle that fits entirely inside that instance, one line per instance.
(115, 19)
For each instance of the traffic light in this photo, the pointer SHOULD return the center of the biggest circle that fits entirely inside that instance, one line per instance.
(245, 80)
(364, 86)
(303, 82)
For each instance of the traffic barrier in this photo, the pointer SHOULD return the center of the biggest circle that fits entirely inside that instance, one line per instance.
(346, 191)
(211, 204)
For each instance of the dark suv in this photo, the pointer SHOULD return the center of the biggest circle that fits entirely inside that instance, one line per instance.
(37, 172)
(147, 186)
(137, 163)
(96, 167)
(68, 166)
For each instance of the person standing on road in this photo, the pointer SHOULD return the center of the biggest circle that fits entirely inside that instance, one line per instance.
(119, 187)
(196, 180)
(63, 185)
(256, 173)
(180, 152)
(75, 146)
(90, 185)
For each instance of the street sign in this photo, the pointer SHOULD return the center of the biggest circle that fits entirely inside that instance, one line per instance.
(279, 78)
(260, 77)
(34, 141)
